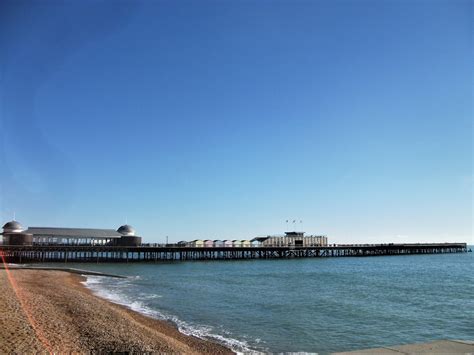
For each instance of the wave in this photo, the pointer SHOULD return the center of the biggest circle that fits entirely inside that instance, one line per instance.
(98, 285)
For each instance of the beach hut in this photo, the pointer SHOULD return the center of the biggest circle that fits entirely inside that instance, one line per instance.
(236, 243)
(208, 243)
(218, 243)
(197, 243)
(259, 241)
(228, 244)
(255, 243)
(246, 244)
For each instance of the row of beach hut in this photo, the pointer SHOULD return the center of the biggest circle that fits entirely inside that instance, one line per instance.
(199, 243)
(296, 239)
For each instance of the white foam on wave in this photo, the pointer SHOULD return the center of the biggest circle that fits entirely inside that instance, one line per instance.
(149, 296)
(98, 285)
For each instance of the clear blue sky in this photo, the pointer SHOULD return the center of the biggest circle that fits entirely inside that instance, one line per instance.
(223, 119)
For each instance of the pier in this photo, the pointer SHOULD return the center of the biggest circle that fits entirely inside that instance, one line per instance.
(174, 252)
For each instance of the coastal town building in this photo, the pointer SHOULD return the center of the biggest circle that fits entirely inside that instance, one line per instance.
(15, 234)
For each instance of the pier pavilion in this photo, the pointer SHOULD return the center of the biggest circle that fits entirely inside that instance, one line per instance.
(15, 234)
(292, 239)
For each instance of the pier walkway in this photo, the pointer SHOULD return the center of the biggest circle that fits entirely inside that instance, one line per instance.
(172, 252)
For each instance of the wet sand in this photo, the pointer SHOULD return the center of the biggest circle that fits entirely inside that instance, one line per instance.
(51, 311)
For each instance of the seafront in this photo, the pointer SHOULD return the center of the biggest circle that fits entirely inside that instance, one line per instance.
(51, 311)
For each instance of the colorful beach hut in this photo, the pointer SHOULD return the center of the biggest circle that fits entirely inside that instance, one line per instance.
(208, 243)
(228, 244)
(255, 242)
(197, 243)
(246, 244)
(218, 243)
(259, 241)
(236, 243)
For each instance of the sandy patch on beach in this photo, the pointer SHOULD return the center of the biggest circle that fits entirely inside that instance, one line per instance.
(51, 311)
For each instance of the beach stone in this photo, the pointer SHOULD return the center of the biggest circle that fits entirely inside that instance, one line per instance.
(51, 311)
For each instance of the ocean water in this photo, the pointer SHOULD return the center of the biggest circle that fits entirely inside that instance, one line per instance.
(303, 305)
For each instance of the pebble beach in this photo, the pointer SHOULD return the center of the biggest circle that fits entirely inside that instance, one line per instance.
(51, 311)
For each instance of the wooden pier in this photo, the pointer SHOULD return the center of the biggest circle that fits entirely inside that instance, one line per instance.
(171, 252)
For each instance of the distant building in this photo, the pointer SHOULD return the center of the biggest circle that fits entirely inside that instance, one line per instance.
(15, 234)
(292, 239)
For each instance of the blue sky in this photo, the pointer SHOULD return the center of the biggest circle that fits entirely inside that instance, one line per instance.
(224, 119)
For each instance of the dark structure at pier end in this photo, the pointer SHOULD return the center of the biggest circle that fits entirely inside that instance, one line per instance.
(15, 234)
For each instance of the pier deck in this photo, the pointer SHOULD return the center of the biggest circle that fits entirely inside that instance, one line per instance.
(155, 253)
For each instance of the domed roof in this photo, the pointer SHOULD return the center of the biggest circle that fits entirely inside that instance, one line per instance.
(13, 225)
(126, 230)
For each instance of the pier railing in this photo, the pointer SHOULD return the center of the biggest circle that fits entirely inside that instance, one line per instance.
(156, 253)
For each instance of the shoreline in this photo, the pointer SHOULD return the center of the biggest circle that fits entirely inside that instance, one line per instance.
(54, 311)
(58, 268)
(95, 285)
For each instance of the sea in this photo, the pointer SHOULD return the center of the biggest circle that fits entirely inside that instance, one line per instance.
(317, 305)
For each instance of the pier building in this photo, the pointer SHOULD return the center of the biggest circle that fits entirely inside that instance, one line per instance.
(197, 243)
(292, 239)
(218, 243)
(15, 234)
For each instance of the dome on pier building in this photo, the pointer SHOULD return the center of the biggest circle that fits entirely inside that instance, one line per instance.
(12, 227)
(126, 230)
